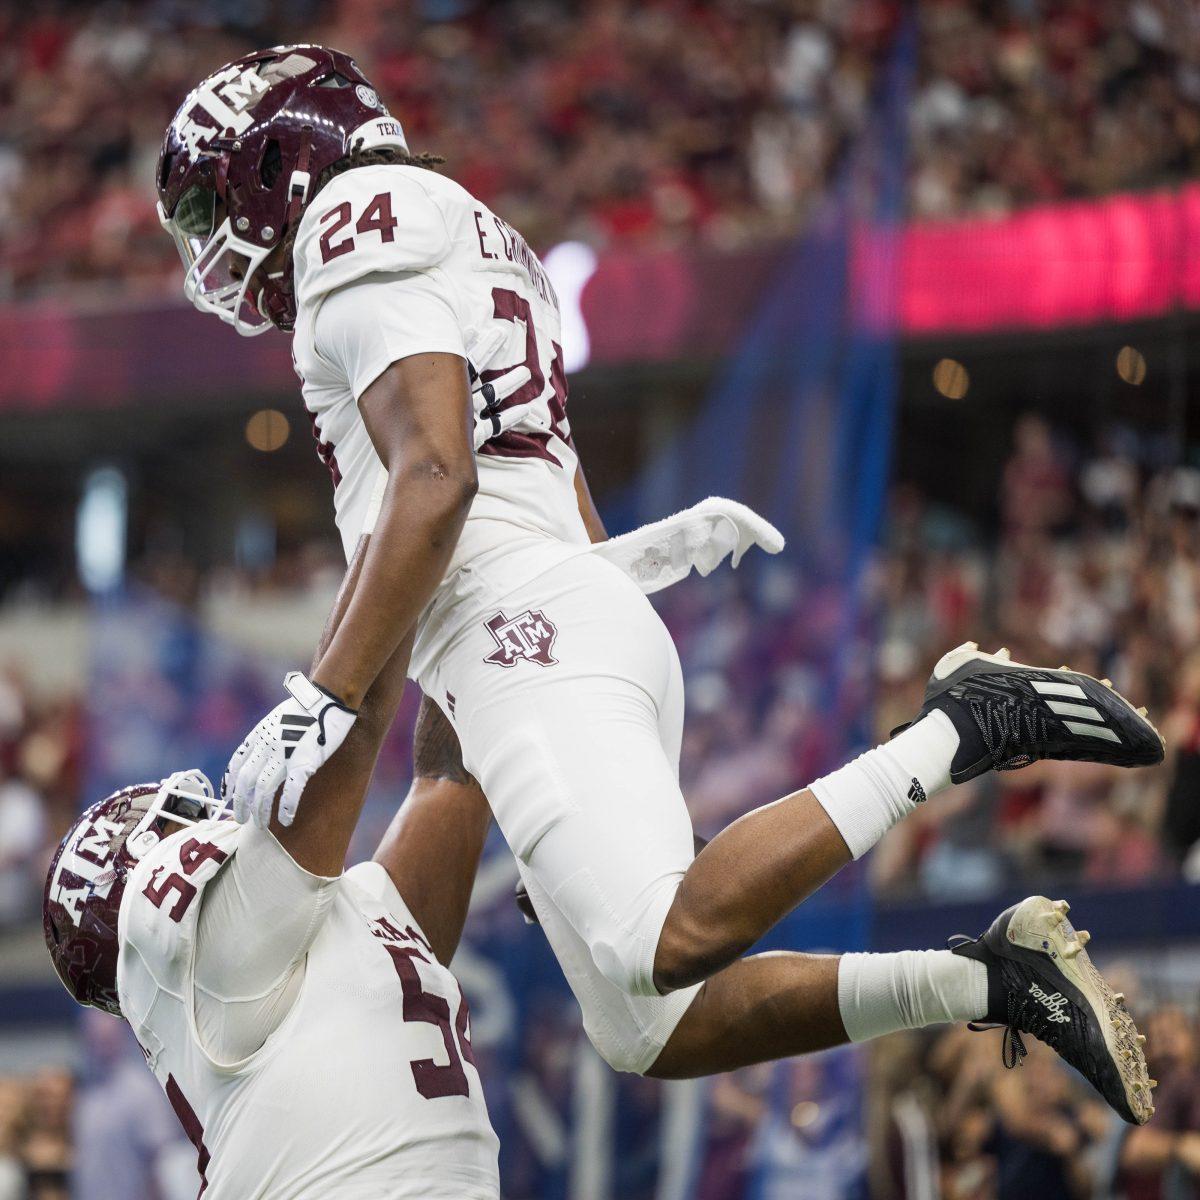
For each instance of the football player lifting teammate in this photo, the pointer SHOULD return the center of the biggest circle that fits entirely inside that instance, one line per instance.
(303, 1022)
(426, 336)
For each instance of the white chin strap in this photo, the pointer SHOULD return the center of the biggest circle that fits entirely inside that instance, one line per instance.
(184, 785)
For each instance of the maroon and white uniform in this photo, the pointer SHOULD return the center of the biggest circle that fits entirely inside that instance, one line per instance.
(301, 1027)
(393, 261)
(561, 681)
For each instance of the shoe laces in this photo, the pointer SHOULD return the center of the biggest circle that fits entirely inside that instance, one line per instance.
(1021, 1015)
(1013, 1050)
(1005, 721)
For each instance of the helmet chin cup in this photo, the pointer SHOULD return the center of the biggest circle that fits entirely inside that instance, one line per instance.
(141, 844)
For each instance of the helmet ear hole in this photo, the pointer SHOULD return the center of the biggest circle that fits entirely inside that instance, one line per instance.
(271, 166)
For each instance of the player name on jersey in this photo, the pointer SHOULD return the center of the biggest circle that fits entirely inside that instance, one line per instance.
(516, 250)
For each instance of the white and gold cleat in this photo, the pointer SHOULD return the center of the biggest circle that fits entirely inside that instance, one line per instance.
(1041, 982)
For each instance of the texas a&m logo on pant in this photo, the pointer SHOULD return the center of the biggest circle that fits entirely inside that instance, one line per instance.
(529, 636)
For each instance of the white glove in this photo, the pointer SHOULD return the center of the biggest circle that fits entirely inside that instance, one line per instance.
(287, 746)
(490, 421)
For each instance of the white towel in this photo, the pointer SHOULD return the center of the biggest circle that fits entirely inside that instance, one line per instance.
(703, 536)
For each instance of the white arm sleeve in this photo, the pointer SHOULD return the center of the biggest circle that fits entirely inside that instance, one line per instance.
(369, 324)
(258, 920)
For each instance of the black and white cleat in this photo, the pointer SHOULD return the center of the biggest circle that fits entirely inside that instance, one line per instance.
(1008, 715)
(1041, 982)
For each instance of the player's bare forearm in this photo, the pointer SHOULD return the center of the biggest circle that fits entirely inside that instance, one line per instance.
(434, 843)
(418, 416)
(320, 835)
(587, 508)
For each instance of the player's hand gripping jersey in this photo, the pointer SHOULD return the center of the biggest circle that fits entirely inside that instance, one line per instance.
(271, 1001)
(392, 261)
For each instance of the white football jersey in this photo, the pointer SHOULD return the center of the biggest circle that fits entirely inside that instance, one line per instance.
(366, 1089)
(392, 261)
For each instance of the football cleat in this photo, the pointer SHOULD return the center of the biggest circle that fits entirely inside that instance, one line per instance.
(1009, 715)
(1041, 982)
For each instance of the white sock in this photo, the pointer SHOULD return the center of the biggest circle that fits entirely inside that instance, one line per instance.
(880, 993)
(865, 798)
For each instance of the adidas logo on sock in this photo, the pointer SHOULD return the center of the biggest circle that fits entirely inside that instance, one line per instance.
(1054, 1001)
(916, 793)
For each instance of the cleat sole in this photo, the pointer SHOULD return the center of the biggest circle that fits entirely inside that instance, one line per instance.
(1027, 929)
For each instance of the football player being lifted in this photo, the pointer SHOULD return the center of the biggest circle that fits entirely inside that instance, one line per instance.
(303, 1022)
(426, 336)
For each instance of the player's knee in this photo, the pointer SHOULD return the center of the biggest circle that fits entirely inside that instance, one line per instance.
(688, 953)
(627, 962)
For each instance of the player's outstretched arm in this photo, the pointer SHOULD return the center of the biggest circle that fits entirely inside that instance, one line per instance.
(418, 415)
(261, 914)
(432, 848)
(319, 837)
(419, 418)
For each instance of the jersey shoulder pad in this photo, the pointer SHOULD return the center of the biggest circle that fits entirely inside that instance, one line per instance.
(161, 904)
(371, 219)
(372, 880)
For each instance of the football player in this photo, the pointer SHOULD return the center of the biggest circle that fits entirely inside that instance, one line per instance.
(426, 337)
(303, 1021)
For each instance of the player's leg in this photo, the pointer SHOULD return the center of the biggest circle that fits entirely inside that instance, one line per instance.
(581, 770)
(981, 712)
(578, 773)
(1028, 973)
(777, 1005)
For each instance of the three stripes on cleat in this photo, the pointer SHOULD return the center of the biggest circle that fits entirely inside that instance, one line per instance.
(1070, 708)
(1083, 719)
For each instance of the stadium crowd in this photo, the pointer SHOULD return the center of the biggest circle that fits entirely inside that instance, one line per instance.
(607, 120)
(948, 1119)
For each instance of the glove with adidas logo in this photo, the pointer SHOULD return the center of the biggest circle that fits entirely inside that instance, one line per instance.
(286, 747)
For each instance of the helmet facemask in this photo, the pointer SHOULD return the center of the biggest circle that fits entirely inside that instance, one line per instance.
(219, 266)
(185, 798)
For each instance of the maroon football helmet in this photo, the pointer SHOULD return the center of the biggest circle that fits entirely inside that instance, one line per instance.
(87, 877)
(238, 163)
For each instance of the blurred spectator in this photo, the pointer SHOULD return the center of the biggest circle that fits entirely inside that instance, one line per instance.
(12, 1111)
(46, 1146)
(128, 1142)
(700, 120)
(1161, 1161)
(1181, 819)
(22, 836)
